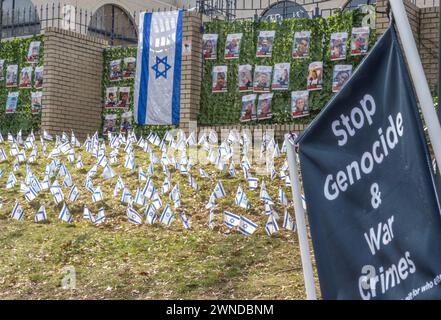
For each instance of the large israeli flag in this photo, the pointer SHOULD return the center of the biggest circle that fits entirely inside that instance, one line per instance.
(158, 68)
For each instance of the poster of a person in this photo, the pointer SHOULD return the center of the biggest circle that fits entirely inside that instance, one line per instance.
(219, 79)
(300, 48)
(264, 106)
(115, 70)
(265, 42)
(109, 124)
(338, 45)
(232, 46)
(299, 104)
(281, 76)
(124, 97)
(315, 76)
(359, 41)
(262, 78)
(248, 112)
(2, 71)
(26, 78)
(129, 68)
(245, 78)
(36, 101)
(126, 122)
(38, 80)
(209, 46)
(340, 75)
(111, 97)
(11, 102)
(11, 76)
(34, 52)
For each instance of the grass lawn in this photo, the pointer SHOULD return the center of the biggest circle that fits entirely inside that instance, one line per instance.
(120, 260)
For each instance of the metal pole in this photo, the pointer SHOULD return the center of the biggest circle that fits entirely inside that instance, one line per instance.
(300, 221)
(1, 19)
(439, 62)
(418, 76)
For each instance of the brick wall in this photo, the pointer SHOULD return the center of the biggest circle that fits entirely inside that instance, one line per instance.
(191, 72)
(72, 82)
(428, 43)
(424, 23)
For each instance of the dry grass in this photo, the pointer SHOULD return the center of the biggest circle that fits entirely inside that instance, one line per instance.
(119, 260)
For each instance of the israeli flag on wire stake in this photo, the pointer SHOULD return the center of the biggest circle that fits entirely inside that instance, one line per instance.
(158, 68)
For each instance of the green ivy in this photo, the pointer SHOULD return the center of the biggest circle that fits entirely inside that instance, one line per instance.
(15, 52)
(114, 53)
(225, 108)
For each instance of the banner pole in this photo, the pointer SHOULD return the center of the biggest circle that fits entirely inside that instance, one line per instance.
(418, 76)
(300, 221)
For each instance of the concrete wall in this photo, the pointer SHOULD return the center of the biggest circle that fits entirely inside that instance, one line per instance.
(73, 66)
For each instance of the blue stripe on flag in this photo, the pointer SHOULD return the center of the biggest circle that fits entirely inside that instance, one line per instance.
(143, 92)
(176, 99)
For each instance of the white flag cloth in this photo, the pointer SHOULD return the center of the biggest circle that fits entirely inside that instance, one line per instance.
(167, 216)
(282, 197)
(87, 214)
(133, 215)
(108, 172)
(100, 217)
(219, 190)
(11, 181)
(40, 215)
(211, 221)
(97, 195)
(185, 221)
(65, 214)
(231, 220)
(241, 199)
(271, 225)
(246, 226)
(17, 212)
(158, 68)
(126, 197)
(150, 214)
(288, 222)
(73, 194)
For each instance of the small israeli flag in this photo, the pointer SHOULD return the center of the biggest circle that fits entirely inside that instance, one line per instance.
(246, 226)
(211, 202)
(231, 220)
(119, 186)
(241, 199)
(288, 222)
(31, 195)
(108, 172)
(40, 215)
(139, 198)
(13, 151)
(149, 189)
(46, 183)
(141, 175)
(100, 217)
(89, 185)
(282, 197)
(264, 196)
(130, 162)
(65, 214)
(133, 215)
(219, 190)
(150, 214)
(211, 222)
(232, 170)
(175, 196)
(126, 197)
(185, 221)
(92, 171)
(102, 161)
(203, 174)
(165, 186)
(67, 182)
(271, 225)
(73, 194)
(24, 188)
(156, 201)
(167, 216)
(3, 155)
(71, 155)
(193, 182)
(87, 214)
(97, 195)
(11, 181)
(17, 212)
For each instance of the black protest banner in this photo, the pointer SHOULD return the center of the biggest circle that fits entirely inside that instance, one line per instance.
(373, 210)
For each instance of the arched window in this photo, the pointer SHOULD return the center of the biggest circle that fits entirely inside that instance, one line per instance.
(19, 18)
(353, 4)
(113, 23)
